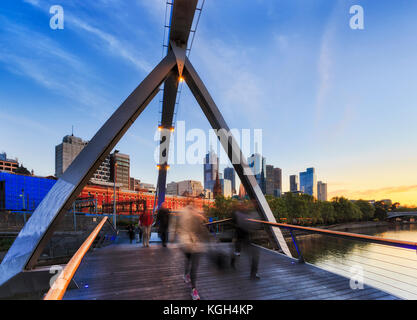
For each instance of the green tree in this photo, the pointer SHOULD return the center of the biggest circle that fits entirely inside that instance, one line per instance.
(367, 209)
(380, 210)
(346, 210)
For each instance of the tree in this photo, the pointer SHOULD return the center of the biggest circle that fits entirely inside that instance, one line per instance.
(346, 210)
(380, 210)
(367, 209)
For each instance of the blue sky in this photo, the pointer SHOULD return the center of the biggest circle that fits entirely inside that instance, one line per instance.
(341, 100)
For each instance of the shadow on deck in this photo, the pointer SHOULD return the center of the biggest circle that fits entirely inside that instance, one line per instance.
(130, 272)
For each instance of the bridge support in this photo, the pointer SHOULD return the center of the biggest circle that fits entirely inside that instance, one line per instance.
(28, 246)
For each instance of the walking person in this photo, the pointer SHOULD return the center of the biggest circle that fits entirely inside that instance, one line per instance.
(146, 221)
(131, 232)
(192, 235)
(243, 231)
(138, 233)
(162, 221)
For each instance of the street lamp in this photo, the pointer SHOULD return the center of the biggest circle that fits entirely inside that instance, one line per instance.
(22, 195)
(114, 191)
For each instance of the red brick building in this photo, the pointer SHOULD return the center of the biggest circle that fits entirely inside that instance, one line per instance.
(104, 195)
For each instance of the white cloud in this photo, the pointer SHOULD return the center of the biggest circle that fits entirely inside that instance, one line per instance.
(114, 45)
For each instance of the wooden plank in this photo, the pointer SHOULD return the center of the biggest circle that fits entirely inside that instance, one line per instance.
(132, 272)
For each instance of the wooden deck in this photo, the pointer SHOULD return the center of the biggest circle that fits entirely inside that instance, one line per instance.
(126, 272)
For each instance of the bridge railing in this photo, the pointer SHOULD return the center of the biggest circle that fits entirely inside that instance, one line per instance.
(60, 285)
(387, 264)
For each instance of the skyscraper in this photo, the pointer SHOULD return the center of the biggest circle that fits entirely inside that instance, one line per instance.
(294, 186)
(66, 152)
(277, 182)
(211, 167)
(229, 174)
(120, 169)
(321, 191)
(258, 165)
(269, 188)
(308, 182)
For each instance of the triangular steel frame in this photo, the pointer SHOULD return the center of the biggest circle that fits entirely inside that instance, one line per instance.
(26, 249)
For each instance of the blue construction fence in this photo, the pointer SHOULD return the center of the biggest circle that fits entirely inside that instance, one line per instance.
(22, 193)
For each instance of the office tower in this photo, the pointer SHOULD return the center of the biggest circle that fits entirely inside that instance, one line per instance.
(258, 165)
(277, 182)
(172, 189)
(103, 172)
(321, 191)
(269, 180)
(294, 184)
(66, 152)
(226, 188)
(120, 169)
(308, 182)
(211, 168)
(190, 188)
(8, 165)
(229, 174)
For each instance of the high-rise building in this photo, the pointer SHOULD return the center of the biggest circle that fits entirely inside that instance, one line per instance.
(226, 188)
(294, 186)
(66, 152)
(190, 188)
(321, 191)
(172, 189)
(277, 182)
(269, 180)
(211, 168)
(120, 169)
(229, 174)
(103, 172)
(258, 165)
(308, 182)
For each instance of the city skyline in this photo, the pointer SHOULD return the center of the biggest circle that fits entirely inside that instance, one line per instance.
(354, 120)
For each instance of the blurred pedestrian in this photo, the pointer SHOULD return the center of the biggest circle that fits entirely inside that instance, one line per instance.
(146, 221)
(243, 231)
(193, 235)
(138, 232)
(162, 221)
(131, 232)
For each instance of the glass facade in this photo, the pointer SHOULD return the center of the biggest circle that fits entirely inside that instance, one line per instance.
(308, 182)
(19, 192)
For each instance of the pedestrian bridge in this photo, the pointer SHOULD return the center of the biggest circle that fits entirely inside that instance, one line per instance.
(393, 215)
(130, 272)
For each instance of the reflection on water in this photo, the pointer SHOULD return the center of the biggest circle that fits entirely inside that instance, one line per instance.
(391, 269)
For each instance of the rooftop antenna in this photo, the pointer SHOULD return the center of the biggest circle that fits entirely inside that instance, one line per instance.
(72, 131)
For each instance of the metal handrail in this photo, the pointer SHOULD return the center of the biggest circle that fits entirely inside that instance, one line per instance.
(346, 235)
(59, 287)
(218, 222)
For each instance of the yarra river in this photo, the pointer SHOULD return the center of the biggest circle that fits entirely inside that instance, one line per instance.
(390, 269)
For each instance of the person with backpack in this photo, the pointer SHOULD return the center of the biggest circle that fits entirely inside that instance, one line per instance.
(162, 221)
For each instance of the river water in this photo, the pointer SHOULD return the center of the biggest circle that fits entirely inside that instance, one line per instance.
(390, 269)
